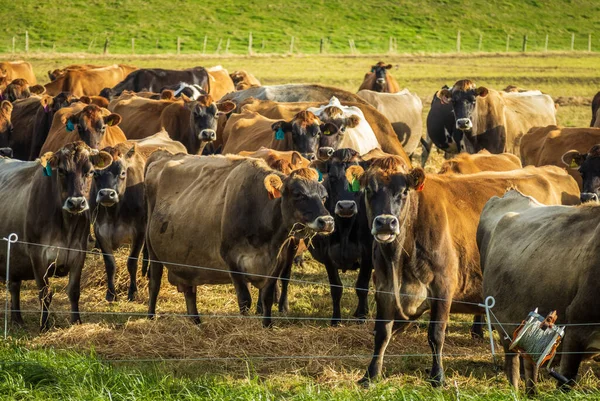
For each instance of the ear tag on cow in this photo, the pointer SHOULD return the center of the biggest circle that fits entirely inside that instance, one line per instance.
(70, 126)
(279, 135)
(355, 186)
(573, 164)
(46, 108)
(420, 187)
(47, 170)
(327, 133)
(320, 175)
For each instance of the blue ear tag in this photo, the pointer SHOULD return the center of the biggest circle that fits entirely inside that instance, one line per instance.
(70, 126)
(47, 171)
(320, 175)
(279, 135)
(355, 186)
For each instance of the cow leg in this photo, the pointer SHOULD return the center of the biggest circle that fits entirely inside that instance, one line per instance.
(477, 327)
(74, 287)
(45, 297)
(190, 302)
(284, 305)
(511, 364)
(132, 264)
(570, 361)
(259, 305)
(383, 334)
(243, 293)
(15, 302)
(156, 273)
(336, 289)
(110, 266)
(267, 301)
(362, 290)
(531, 375)
(440, 310)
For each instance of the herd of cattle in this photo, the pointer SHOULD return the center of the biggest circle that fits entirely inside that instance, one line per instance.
(202, 168)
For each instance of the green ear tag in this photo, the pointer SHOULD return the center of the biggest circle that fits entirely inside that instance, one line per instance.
(573, 164)
(47, 170)
(70, 126)
(279, 135)
(327, 133)
(355, 186)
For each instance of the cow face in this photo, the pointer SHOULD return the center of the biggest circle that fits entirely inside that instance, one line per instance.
(329, 141)
(302, 201)
(73, 167)
(387, 193)
(110, 183)
(17, 89)
(380, 71)
(308, 133)
(91, 125)
(343, 199)
(53, 104)
(588, 165)
(6, 126)
(204, 116)
(463, 97)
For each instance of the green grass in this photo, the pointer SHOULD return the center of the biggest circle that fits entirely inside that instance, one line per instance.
(417, 25)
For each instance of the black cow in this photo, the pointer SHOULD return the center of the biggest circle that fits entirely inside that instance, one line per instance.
(441, 126)
(154, 79)
(588, 165)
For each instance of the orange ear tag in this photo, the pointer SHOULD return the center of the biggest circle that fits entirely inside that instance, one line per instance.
(420, 187)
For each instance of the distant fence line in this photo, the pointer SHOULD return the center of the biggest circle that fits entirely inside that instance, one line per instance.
(250, 46)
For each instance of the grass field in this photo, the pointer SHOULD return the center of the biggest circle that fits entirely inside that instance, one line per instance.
(124, 356)
(417, 25)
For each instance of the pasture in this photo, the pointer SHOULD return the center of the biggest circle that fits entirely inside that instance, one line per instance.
(118, 354)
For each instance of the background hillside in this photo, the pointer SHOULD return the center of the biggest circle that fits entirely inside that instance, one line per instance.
(416, 25)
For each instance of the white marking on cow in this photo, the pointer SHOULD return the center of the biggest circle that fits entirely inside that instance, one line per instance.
(360, 138)
(215, 68)
(527, 93)
(196, 90)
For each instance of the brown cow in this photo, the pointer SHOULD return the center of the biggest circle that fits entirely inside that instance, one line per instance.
(595, 107)
(17, 69)
(219, 82)
(89, 82)
(46, 203)
(425, 254)
(492, 120)
(82, 122)
(6, 126)
(383, 130)
(59, 72)
(244, 80)
(284, 161)
(546, 146)
(380, 80)
(465, 163)
(140, 116)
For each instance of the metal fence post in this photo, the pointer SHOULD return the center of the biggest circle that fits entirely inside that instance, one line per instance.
(12, 238)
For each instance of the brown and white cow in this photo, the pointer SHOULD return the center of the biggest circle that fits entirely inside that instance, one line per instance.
(17, 69)
(492, 120)
(425, 255)
(236, 238)
(95, 126)
(46, 203)
(465, 163)
(380, 80)
(242, 80)
(89, 82)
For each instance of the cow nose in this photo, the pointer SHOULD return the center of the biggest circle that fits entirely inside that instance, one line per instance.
(108, 193)
(464, 124)
(325, 153)
(107, 197)
(380, 81)
(310, 156)
(324, 224)
(588, 197)
(208, 135)
(75, 204)
(346, 208)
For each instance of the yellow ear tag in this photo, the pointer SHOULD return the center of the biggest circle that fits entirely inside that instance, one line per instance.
(573, 164)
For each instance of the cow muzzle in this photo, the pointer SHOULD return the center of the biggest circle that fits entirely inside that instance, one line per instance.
(323, 225)
(325, 153)
(464, 124)
(76, 205)
(207, 135)
(385, 228)
(588, 197)
(380, 81)
(6, 152)
(107, 197)
(346, 209)
(310, 156)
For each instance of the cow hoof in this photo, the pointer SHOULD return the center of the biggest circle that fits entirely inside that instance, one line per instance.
(436, 380)
(284, 309)
(267, 323)
(365, 382)
(335, 322)
(131, 295)
(196, 320)
(111, 296)
(299, 261)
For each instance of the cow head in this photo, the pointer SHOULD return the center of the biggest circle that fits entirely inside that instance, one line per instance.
(107, 93)
(53, 104)
(388, 189)
(91, 124)
(380, 71)
(344, 197)
(73, 167)
(204, 116)
(330, 141)
(17, 89)
(588, 165)
(463, 97)
(307, 133)
(6, 126)
(110, 183)
(302, 201)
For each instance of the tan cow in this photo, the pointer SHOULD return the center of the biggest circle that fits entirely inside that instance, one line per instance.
(244, 80)
(89, 82)
(380, 80)
(284, 161)
(465, 163)
(219, 81)
(59, 72)
(496, 121)
(17, 69)
(91, 124)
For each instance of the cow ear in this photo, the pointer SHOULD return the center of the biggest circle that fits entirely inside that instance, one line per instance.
(167, 94)
(573, 159)
(85, 99)
(131, 152)
(352, 121)
(444, 95)
(329, 129)
(101, 160)
(354, 173)
(273, 185)
(416, 178)
(112, 120)
(388, 67)
(226, 107)
(296, 158)
(482, 91)
(6, 107)
(48, 159)
(283, 125)
(37, 89)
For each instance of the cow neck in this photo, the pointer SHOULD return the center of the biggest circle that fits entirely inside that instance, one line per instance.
(126, 209)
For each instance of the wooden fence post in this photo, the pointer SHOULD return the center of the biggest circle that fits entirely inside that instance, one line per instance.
(13, 43)
(178, 45)
(250, 44)
(106, 46)
(458, 42)
(480, 42)
(546, 44)
(507, 42)
(132, 45)
(524, 43)
(590, 42)
(572, 41)
(227, 47)
(219, 45)
(26, 42)
(292, 45)
(204, 46)
(321, 46)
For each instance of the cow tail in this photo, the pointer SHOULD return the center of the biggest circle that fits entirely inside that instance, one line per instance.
(145, 261)
(426, 143)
